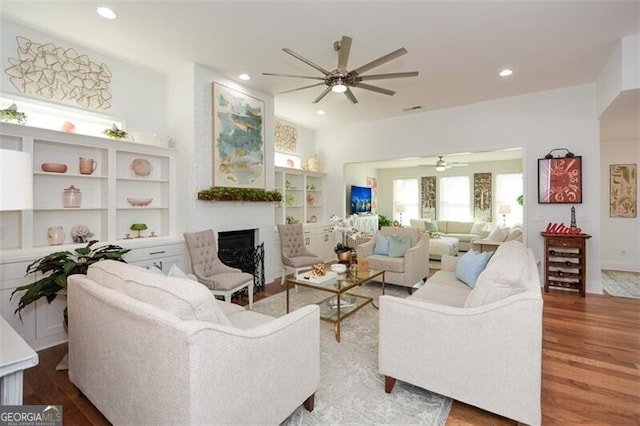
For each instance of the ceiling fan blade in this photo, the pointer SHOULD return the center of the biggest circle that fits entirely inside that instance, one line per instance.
(389, 75)
(375, 89)
(306, 61)
(386, 58)
(343, 53)
(322, 95)
(294, 76)
(300, 88)
(349, 94)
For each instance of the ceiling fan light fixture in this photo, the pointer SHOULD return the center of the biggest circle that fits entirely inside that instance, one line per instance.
(339, 87)
(441, 165)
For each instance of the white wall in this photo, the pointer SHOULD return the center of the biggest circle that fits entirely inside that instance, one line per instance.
(138, 94)
(621, 246)
(539, 122)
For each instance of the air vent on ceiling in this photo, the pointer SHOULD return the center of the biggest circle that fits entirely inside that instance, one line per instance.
(413, 108)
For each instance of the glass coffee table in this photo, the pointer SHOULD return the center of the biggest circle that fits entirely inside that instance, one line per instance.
(341, 303)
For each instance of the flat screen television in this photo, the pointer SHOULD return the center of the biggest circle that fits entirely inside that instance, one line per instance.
(360, 199)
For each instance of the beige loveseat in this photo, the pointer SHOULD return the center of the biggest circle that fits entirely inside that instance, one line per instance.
(465, 232)
(481, 346)
(149, 349)
(406, 270)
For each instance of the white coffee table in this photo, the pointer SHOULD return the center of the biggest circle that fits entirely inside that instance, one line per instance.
(443, 245)
(15, 357)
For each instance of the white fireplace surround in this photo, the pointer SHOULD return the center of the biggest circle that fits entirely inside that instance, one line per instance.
(222, 216)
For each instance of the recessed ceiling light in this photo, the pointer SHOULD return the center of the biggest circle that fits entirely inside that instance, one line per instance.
(320, 112)
(505, 72)
(244, 76)
(106, 13)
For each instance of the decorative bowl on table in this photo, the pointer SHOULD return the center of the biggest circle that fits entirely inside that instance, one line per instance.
(54, 167)
(339, 268)
(139, 202)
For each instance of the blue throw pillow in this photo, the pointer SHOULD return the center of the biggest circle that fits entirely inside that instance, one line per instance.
(471, 265)
(382, 245)
(398, 245)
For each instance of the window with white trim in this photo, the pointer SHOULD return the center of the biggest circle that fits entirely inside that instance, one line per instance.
(509, 186)
(406, 200)
(455, 198)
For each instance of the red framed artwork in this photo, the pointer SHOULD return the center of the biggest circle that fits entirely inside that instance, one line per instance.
(560, 180)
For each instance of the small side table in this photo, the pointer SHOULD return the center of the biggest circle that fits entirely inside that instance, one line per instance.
(565, 262)
(15, 357)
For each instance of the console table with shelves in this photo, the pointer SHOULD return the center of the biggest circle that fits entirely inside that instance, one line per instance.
(565, 261)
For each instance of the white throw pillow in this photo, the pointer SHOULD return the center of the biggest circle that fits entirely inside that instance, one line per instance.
(477, 228)
(498, 234)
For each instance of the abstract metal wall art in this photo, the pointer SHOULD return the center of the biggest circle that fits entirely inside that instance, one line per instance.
(57, 73)
(286, 137)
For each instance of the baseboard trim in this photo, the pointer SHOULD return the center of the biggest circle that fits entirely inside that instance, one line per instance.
(621, 266)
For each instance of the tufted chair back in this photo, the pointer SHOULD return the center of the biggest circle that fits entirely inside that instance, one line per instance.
(204, 254)
(292, 240)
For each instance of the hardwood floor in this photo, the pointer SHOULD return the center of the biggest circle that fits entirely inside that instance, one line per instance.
(590, 371)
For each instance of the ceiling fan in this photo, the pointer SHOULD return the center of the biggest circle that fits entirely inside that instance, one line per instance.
(442, 165)
(341, 80)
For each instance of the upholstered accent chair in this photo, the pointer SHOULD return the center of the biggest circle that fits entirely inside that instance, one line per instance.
(404, 269)
(221, 279)
(295, 256)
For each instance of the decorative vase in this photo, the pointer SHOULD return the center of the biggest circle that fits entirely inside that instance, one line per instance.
(344, 256)
(71, 197)
(55, 235)
(87, 165)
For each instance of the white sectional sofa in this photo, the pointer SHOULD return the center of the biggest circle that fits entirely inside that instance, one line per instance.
(465, 232)
(481, 346)
(149, 349)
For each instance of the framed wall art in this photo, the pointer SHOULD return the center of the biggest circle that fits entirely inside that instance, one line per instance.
(560, 180)
(482, 197)
(238, 139)
(623, 190)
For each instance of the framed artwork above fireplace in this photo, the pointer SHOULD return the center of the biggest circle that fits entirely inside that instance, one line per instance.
(238, 139)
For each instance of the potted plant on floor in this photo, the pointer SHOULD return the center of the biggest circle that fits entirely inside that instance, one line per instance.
(56, 267)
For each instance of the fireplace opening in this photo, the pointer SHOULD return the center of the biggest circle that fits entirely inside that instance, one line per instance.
(238, 250)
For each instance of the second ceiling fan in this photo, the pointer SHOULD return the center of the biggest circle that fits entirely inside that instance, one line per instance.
(341, 80)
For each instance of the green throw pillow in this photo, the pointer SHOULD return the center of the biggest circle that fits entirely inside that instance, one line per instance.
(398, 245)
(430, 227)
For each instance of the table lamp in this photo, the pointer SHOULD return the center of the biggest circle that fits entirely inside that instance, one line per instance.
(16, 180)
(504, 210)
(400, 208)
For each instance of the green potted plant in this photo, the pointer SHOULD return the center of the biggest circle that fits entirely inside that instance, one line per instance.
(56, 267)
(12, 114)
(115, 133)
(138, 227)
(383, 221)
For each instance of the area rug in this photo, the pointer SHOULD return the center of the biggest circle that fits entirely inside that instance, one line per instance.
(621, 284)
(351, 390)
